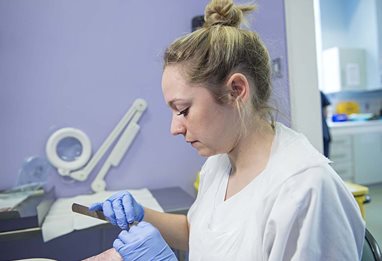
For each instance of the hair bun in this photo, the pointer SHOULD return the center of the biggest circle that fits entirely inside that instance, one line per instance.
(224, 12)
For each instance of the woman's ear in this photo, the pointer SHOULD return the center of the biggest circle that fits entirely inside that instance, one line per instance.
(238, 87)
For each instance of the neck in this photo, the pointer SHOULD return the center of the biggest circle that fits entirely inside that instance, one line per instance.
(251, 154)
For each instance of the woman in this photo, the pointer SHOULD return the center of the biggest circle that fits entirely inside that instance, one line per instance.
(265, 193)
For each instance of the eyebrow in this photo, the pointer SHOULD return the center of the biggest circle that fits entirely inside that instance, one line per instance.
(171, 103)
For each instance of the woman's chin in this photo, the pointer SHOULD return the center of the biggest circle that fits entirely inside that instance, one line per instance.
(203, 150)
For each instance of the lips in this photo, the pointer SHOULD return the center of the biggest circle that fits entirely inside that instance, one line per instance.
(192, 142)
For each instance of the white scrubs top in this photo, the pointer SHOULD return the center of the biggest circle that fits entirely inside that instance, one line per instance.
(298, 208)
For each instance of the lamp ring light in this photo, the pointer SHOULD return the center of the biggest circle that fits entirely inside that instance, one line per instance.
(68, 139)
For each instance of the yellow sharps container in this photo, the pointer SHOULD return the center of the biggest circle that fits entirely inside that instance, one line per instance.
(360, 194)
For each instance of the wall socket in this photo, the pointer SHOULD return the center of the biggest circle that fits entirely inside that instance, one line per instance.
(276, 68)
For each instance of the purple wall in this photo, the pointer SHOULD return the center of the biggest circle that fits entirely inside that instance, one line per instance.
(82, 63)
(269, 22)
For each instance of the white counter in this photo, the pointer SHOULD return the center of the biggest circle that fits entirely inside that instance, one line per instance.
(352, 127)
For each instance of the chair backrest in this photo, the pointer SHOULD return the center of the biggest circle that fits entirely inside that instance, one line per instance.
(371, 250)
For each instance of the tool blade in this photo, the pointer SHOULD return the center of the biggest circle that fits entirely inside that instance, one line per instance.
(85, 211)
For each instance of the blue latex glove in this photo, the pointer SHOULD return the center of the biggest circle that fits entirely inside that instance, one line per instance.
(120, 209)
(143, 242)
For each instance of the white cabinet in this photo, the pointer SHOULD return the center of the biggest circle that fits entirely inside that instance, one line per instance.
(343, 69)
(356, 151)
(368, 157)
(341, 153)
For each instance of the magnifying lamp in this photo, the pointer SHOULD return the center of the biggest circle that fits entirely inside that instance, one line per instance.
(68, 149)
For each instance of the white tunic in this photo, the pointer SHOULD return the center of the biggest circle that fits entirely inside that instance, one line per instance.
(298, 208)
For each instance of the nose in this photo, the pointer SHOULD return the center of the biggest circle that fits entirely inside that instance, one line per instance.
(177, 126)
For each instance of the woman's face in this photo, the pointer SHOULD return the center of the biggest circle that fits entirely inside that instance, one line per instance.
(209, 127)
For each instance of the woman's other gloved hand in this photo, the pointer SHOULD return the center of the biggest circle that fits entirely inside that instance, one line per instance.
(143, 242)
(120, 209)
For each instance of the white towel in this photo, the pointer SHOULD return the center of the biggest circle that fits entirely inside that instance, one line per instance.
(61, 220)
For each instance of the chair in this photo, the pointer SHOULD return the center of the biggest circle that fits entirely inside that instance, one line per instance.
(371, 250)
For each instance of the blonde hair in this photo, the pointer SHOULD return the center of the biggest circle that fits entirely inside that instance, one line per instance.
(220, 48)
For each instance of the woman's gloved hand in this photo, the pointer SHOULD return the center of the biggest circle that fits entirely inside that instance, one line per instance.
(143, 242)
(120, 209)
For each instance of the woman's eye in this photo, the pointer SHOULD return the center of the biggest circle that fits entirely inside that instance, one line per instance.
(184, 112)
